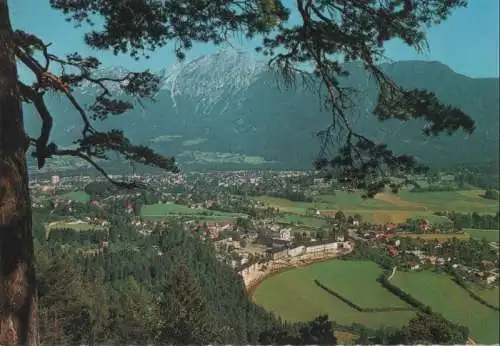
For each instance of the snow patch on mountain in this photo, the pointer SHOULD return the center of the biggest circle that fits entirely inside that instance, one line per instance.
(213, 80)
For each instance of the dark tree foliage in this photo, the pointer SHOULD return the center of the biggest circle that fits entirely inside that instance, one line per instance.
(434, 329)
(76, 70)
(423, 329)
(475, 220)
(357, 31)
(189, 319)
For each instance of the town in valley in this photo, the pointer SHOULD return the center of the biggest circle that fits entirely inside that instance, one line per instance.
(262, 223)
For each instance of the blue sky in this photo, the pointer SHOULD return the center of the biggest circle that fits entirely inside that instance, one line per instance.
(468, 41)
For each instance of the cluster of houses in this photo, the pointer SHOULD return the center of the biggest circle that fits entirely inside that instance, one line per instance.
(209, 230)
(384, 236)
(96, 221)
(488, 272)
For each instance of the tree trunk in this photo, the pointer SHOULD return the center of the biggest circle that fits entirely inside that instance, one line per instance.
(18, 319)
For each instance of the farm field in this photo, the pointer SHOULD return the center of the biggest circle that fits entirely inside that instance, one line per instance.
(491, 235)
(458, 201)
(287, 206)
(452, 301)
(387, 207)
(372, 213)
(355, 280)
(78, 196)
(155, 211)
(302, 220)
(344, 200)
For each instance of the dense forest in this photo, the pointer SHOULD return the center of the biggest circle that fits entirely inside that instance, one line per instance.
(167, 287)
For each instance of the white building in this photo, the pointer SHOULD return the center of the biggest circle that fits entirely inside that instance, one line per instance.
(323, 247)
(297, 251)
(55, 179)
(286, 234)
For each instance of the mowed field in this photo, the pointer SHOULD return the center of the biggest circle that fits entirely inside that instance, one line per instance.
(78, 226)
(453, 302)
(302, 220)
(458, 201)
(294, 296)
(388, 207)
(78, 196)
(491, 235)
(156, 211)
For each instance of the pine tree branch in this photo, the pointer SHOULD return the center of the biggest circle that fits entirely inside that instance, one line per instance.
(91, 143)
(37, 99)
(76, 153)
(47, 80)
(357, 30)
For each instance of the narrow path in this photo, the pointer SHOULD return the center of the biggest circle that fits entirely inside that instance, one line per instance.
(393, 272)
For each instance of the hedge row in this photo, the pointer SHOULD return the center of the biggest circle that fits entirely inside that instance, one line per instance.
(474, 296)
(402, 294)
(357, 307)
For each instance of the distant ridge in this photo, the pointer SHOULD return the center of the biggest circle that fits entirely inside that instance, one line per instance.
(228, 106)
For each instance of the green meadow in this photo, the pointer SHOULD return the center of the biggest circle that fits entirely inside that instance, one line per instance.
(294, 296)
(158, 211)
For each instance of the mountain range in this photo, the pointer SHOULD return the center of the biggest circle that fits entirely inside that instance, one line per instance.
(228, 109)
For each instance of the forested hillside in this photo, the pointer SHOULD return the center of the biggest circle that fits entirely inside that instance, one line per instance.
(210, 112)
(166, 288)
